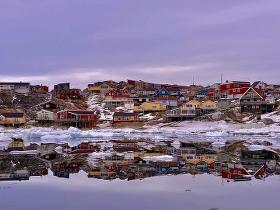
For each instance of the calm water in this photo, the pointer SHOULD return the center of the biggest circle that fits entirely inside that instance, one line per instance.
(182, 191)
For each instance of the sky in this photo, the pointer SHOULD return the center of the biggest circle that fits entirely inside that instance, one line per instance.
(168, 41)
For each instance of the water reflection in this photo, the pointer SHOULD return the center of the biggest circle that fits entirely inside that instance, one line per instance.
(131, 160)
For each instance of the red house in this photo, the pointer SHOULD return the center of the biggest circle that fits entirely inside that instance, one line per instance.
(39, 89)
(83, 148)
(76, 118)
(69, 94)
(234, 89)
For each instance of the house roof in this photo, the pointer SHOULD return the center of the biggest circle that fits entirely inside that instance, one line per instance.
(78, 112)
(15, 83)
(255, 90)
(13, 114)
(81, 112)
(127, 114)
(168, 98)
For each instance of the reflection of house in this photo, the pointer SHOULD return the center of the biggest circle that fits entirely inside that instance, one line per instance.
(125, 145)
(119, 117)
(236, 172)
(253, 101)
(84, 147)
(12, 119)
(76, 118)
(150, 107)
(200, 156)
(16, 145)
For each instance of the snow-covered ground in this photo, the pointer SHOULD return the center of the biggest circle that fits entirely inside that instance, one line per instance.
(274, 116)
(218, 132)
(94, 103)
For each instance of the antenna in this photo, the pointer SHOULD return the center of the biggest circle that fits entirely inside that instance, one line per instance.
(221, 78)
(193, 80)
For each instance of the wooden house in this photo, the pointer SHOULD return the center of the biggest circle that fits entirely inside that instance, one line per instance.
(39, 89)
(99, 88)
(191, 108)
(14, 119)
(45, 116)
(208, 106)
(254, 101)
(21, 88)
(170, 101)
(76, 118)
(234, 89)
(150, 107)
(50, 106)
(64, 92)
(120, 117)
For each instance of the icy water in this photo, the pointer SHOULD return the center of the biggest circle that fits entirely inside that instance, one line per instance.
(195, 131)
(176, 192)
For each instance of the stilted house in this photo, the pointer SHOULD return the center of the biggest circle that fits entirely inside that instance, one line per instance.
(254, 101)
(121, 117)
(14, 119)
(76, 118)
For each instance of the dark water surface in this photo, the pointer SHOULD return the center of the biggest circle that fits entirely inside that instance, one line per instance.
(176, 192)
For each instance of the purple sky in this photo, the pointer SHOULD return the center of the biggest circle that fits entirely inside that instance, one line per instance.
(155, 40)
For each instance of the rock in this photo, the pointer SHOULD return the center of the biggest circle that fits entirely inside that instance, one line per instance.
(267, 121)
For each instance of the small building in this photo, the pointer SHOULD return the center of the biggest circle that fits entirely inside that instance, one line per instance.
(253, 101)
(22, 88)
(150, 107)
(170, 101)
(191, 108)
(208, 106)
(41, 89)
(234, 89)
(76, 118)
(50, 106)
(63, 91)
(99, 88)
(45, 116)
(14, 119)
(119, 117)
(73, 94)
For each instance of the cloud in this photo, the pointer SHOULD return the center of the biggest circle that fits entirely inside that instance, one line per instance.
(239, 13)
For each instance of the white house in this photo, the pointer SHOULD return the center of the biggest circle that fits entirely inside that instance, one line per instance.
(45, 115)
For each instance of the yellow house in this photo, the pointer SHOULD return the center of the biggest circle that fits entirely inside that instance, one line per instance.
(103, 88)
(191, 108)
(12, 119)
(150, 107)
(209, 104)
(16, 144)
(191, 105)
(195, 159)
(147, 154)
